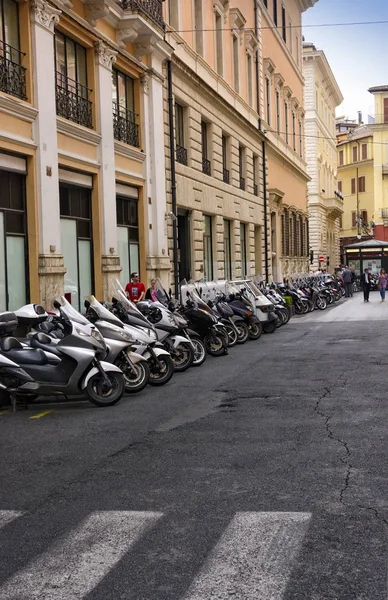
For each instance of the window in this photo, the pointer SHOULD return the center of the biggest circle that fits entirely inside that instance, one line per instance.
(241, 164)
(206, 164)
(341, 157)
(225, 163)
(255, 174)
(76, 241)
(286, 120)
(249, 79)
(125, 127)
(243, 244)
(12, 74)
(354, 220)
(290, 37)
(266, 3)
(339, 185)
(277, 111)
(355, 154)
(236, 69)
(300, 140)
(127, 215)
(174, 14)
(364, 150)
(198, 23)
(284, 26)
(361, 184)
(353, 186)
(297, 50)
(364, 217)
(72, 95)
(181, 151)
(13, 242)
(293, 132)
(219, 51)
(385, 110)
(275, 12)
(208, 249)
(227, 250)
(268, 100)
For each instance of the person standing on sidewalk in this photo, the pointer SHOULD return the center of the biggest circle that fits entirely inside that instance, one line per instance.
(365, 283)
(347, 279)
(383, 280)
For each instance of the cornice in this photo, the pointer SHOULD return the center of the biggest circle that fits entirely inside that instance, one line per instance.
(6, 136)
(129, 152)
(77, 131)
(17, 108)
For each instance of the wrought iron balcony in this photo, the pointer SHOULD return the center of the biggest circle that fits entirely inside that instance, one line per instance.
(125, 128)
(255, 189)
(72, 100)
(206, 166)
(153, 9)
(181, 155)
(226, 176)
(12, 74)
(242, 183)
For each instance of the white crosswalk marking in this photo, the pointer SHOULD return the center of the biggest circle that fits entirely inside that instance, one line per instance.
(6, 516)
(253, 559)
(71, 568)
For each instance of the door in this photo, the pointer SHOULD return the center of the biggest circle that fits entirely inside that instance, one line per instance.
(184, 245)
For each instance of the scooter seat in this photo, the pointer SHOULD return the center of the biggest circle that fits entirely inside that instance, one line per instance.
(26, 356)
(44, 342)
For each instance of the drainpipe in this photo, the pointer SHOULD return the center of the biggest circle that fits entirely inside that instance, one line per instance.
(173, 179)
(266, 261)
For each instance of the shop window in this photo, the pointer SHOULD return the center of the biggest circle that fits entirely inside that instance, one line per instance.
(76, 241)
(243, 245)
(127, 211)
(208, 248)
(227, 250)
(13, 242)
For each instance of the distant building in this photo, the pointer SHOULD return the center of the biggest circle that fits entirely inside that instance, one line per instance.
(325, 205)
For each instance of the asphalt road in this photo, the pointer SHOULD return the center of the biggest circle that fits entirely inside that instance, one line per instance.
(262, 475)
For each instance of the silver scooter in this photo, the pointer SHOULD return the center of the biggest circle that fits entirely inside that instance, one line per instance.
(75, 364)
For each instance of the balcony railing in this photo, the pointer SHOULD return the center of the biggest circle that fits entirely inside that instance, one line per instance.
(12, 74)
(72, 100)
(255, 189)
(125, 128)
(226, 176)
(206, 166)
(242, 183)
(153, 9)
(181, 155)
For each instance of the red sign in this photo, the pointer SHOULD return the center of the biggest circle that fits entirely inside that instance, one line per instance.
(321, 259)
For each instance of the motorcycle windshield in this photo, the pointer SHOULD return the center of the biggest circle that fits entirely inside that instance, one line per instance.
(103, 313)
(161, 293)
(132, 309)
(71, 313)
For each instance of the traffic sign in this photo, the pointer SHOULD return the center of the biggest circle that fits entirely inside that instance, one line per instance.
(321, 259)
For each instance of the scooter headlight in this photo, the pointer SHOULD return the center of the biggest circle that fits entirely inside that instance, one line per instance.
(127, 336)
(98, 337)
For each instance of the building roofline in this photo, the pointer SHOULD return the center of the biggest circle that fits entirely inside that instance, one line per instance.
(378, 88)
(310, 51)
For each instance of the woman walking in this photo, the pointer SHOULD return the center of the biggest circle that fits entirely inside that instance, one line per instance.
(383, 280)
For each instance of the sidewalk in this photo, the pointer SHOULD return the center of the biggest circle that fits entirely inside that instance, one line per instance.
(349, 309)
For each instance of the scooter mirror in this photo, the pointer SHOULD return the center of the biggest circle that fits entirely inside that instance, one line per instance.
(56, 304)
(86, 304)
(170, 292)
(200, 291)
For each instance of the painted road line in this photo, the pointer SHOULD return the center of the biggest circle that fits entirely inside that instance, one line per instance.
(41, 414)
(6, 516)
(253, 559)
(72, 567)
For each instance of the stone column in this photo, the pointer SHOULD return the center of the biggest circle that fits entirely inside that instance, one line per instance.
(105, 57)
(51, 266)
(158, 262)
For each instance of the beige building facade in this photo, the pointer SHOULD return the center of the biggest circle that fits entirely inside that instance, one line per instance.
(325, 201)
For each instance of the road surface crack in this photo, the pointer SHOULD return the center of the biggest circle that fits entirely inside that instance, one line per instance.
(345, 460)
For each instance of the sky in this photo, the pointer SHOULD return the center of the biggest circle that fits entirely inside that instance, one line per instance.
(356, 53)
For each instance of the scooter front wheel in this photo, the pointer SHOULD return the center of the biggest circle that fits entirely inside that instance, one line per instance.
(269, 327)
(100, 393)
(136, 376)
(161, 375)
(214, 345)
(255, 331)
(232, 335)
(182, 356)
(199, 352)
(243, 332)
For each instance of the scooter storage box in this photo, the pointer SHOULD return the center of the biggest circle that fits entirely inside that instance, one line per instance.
(8, 322)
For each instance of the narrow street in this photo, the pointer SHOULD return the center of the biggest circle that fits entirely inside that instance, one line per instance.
(262, 475)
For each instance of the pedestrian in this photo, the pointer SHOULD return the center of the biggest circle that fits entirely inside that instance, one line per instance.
(347, 279)
(366, 283)
(135, 290)
(151, 293)
(382, 284)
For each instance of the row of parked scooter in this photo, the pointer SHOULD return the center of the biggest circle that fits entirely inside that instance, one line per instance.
(118, 346)
(310, 293)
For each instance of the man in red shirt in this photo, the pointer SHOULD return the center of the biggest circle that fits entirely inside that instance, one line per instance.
(135, 290)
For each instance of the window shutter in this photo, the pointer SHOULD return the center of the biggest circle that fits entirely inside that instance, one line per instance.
(385, 110)
(341, 157)
(364, 215)
(353, 186)
(355, 154)
(340, 186)
(364, 151)
(353, 219)
(361, 184)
